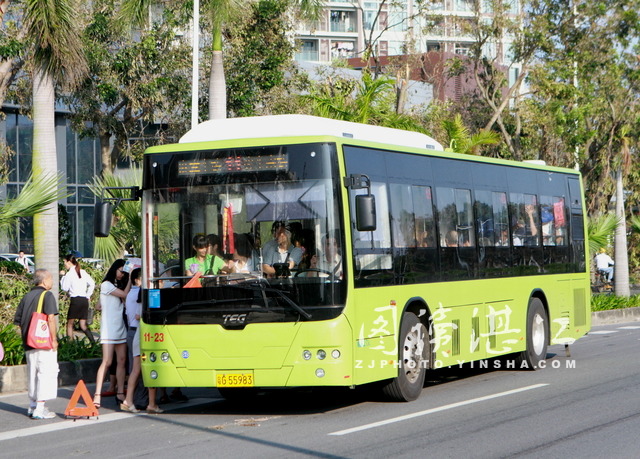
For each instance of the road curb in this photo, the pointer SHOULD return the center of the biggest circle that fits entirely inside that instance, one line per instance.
(16, 379)
(615, 316)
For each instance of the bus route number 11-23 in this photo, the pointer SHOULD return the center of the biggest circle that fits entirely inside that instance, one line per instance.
(155, 337)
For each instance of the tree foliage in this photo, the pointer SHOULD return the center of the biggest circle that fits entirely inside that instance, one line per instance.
(138, 78)
(259, 52)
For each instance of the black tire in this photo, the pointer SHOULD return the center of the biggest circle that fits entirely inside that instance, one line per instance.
(414, 351)
(537, 336)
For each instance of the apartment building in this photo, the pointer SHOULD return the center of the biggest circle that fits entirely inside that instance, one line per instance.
(396, 27)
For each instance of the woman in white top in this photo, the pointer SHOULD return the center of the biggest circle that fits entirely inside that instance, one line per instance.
(113, 333)
(79, 285)
(134, 309)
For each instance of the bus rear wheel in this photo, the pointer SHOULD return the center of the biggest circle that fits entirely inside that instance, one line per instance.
(537, 336)
(413, 354)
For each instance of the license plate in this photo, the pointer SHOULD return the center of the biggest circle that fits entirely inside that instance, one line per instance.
(234, 380)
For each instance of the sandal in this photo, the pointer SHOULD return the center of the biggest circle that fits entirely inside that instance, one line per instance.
(155, 410)
(96, 400)
(130, 409)
(118, 399)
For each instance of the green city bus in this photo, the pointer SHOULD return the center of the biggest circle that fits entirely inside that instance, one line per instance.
(429, 258)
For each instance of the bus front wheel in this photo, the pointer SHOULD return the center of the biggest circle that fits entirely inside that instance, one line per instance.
(413, 354)
(537, 336)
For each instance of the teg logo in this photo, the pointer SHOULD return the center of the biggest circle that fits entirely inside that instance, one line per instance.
(234, 319)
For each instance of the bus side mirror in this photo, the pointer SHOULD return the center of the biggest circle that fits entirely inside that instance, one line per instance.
(365, 212)
(102, 219)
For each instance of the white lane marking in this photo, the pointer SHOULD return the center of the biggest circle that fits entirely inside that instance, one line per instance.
(603, 332)
(435, 410)
(55, 426)
(630, 327)
(46, 426)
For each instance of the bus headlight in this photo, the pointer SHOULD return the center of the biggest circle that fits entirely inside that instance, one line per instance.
(319, 372)
(306, 354)
(152, 357)
(321, 354)
(335, 354)
(164, 357)
(153, 374)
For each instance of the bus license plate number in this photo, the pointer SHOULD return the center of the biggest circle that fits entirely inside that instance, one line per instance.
(234, 380)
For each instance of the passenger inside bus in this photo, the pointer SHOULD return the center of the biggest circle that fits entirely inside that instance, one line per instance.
(202, 262)
(215, 251)
(451, 239)
(244, 259)
(525, 232)
(329, 261)
(304, 239)
(280, 258)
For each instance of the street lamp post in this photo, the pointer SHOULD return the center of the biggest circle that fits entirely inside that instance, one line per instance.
(195, 38)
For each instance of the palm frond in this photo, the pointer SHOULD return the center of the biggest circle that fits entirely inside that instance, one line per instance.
(34, 198)
(601, 230)
(127, 215)
(135, 12)
(57, 47)
(310, 10)
(635, 224)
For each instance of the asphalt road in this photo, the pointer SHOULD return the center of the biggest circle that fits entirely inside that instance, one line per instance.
(586, 405)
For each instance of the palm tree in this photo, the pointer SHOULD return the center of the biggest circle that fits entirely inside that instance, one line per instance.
(221, 12)
(460, 141)
(56, 56)
(34, 198)
(621, 255)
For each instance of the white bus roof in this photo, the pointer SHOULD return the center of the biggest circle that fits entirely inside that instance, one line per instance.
(303, 125)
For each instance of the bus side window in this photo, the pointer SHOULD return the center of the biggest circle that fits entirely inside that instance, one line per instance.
(525, 223)
(423, 211)
(455, 217)
(403, 222)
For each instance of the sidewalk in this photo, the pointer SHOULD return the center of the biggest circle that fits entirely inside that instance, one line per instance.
(14, 421)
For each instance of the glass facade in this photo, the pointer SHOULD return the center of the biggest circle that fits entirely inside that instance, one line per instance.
(80, 161)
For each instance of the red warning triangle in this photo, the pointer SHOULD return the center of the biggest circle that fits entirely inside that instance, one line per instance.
(78, 411)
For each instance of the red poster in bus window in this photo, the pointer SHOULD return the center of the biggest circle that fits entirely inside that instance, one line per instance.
(558, 213)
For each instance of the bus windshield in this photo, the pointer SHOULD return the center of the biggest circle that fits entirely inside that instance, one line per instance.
(240, 236)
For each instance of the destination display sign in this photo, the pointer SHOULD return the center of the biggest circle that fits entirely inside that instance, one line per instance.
(207, 166)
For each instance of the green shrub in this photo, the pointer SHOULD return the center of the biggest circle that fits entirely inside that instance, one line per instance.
(608, 302)
(12, 343)
(12, 267)
(70, 350)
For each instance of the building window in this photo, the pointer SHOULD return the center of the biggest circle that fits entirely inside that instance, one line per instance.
(463, 5)
(433, 46)
(308, 51)
(342, 49)
(462, 48)
(342, 21)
